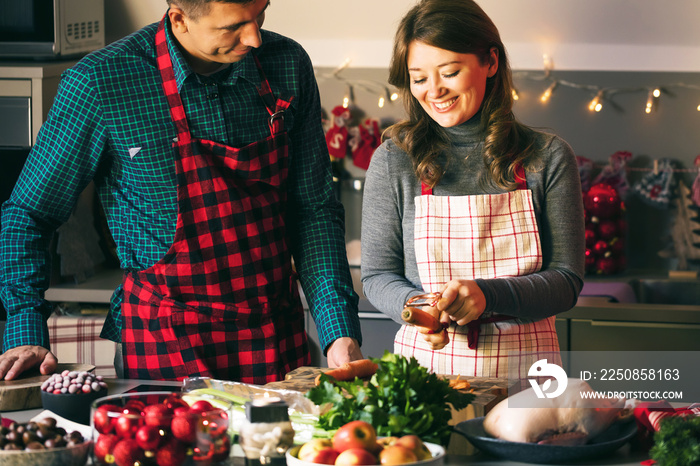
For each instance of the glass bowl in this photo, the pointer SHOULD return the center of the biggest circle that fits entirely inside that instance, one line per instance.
(159, 428)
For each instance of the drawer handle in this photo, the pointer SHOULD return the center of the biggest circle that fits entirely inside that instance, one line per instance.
(603, 323)
(372, 315)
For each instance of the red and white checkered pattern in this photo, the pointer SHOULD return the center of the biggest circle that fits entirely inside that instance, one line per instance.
(481, 236)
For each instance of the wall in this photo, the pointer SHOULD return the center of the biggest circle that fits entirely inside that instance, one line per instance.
(628, 45)
(616, 35)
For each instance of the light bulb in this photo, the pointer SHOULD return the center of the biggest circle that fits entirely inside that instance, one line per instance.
(656, 92)
(548, 92)
(394, 96)
(650, 101)
(380, 104)
(596, 104)
(514, 92)
(346, 101)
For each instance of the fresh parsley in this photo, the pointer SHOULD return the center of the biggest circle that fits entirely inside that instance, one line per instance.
(677, 442)
(401, 398)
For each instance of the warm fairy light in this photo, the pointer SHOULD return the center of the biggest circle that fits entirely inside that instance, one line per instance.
(515, 94)
(656, 92)
(548, 92)
(380, 104)
(596, 105)
(650, 101)
(346, 101)
(394, 96)
(698, 108)
(547, 63)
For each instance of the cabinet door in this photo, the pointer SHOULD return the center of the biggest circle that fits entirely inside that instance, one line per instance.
(377, 336)
(598, 335)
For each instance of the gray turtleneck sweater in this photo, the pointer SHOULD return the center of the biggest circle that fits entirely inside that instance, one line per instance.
(389, 271)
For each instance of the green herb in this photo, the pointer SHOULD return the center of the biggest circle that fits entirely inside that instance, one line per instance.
(401, 398)
(677, 442)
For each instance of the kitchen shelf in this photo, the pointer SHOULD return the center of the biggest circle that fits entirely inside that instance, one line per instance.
(96, 289)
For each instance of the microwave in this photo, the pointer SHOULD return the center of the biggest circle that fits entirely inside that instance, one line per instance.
(46, 29)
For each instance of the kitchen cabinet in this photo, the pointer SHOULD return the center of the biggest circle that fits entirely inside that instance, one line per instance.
(27, 90)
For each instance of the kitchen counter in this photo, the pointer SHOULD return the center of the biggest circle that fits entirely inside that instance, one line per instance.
(622, 457)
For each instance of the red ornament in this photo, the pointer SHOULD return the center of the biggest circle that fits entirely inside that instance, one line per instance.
(607, 229)
(606, 265)
(617, 246)
(590, 237)
(602, 201)
(590, 261)
(601, 247)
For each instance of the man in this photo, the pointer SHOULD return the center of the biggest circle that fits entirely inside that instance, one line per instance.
(203, 136)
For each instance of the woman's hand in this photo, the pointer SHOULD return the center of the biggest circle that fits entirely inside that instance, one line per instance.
(436, 340)
(461, 301)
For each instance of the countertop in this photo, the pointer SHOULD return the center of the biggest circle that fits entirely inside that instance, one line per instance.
(622, 457)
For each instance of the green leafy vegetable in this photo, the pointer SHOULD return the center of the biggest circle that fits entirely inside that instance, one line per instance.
(401, 398)
(677, 442)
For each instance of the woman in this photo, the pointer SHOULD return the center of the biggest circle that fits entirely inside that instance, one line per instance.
(465, 201)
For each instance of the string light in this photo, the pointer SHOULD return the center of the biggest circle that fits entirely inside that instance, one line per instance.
(601, 94)
(650, 101)
(548, 92)
(370, 86)
(597, 103)
(514, 92)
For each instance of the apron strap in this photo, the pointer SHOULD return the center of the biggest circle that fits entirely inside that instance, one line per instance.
(519, 173)
(473, 328)
(165, 66)
(275, 106)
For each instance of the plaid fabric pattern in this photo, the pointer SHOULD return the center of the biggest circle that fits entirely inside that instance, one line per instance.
(229, 248)
(77, 339)
(170, 340)
(484, 236)
(110, 123)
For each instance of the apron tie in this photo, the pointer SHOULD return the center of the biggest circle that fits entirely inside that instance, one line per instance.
(474, 326)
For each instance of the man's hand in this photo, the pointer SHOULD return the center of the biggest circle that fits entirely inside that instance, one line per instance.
(21, 358)
(342, 350)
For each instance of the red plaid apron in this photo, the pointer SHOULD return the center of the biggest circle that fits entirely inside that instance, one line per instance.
(482, 236)
(223, 302)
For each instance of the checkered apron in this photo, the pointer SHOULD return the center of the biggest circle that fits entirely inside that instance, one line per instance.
(481, 236)
(223, 301)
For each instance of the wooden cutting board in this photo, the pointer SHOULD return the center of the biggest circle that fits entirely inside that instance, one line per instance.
(487, 391)
(25, 392)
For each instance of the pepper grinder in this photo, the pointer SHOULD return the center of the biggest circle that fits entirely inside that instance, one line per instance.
(267, 433)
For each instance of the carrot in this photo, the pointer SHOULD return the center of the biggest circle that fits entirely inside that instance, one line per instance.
(350, 370)
(415, 316)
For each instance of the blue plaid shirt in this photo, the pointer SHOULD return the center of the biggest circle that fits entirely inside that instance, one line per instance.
(112, 102)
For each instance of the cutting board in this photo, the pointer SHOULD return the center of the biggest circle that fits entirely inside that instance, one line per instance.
(487, 391)
(25, 392)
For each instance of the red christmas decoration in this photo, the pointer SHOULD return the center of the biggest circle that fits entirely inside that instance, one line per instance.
(605, 230)
(602, 201)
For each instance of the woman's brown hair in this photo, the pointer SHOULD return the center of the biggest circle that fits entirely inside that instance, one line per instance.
(460, 26)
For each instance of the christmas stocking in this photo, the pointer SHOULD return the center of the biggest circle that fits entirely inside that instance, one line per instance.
(337, 135)
(696, 184)
(656, 189)
(614, 173)
(370, 139)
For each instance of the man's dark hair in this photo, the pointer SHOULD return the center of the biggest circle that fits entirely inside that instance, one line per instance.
(196, 8)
